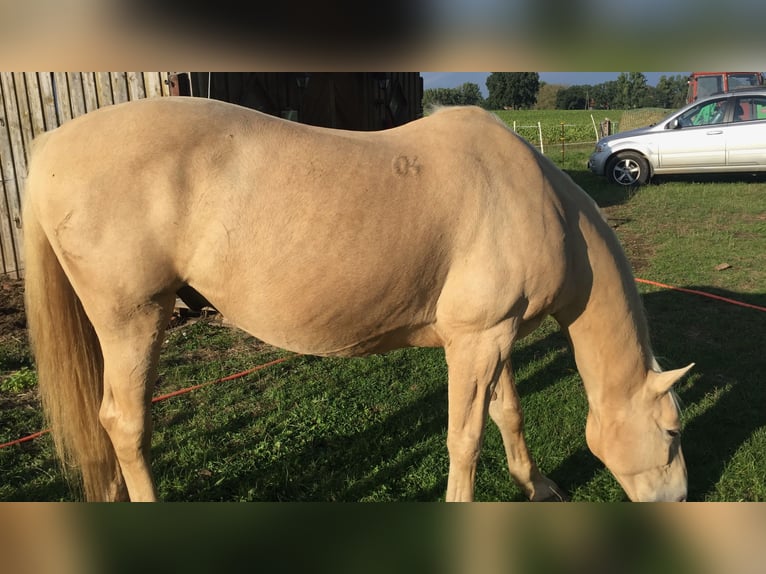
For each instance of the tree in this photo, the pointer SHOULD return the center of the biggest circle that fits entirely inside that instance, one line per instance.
(467, 94)
(572, 98)
(605, 95)
(632, 91)
(440, 97)
(512, 89)
(671, 91)
(470, 94)
(628, 91)
(496, 86)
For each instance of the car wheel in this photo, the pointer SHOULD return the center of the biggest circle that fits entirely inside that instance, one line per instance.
(628, 168)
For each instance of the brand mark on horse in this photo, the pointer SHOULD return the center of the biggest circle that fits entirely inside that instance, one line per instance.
(405, 165)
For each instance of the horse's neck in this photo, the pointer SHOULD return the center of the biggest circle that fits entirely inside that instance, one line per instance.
(605, 322)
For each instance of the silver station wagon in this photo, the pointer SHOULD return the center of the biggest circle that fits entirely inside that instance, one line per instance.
(722, 133)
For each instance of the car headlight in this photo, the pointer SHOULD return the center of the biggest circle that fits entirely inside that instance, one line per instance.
(600, 147)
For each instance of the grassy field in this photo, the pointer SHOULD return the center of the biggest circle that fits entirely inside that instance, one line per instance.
(374, 429)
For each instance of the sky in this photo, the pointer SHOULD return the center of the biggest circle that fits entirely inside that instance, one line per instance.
(454, 79)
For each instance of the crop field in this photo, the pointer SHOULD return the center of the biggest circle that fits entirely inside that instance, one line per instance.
(575, 129)
(374, 429)
(576, 126)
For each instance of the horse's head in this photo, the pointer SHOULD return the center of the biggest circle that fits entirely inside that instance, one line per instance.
(641, 442)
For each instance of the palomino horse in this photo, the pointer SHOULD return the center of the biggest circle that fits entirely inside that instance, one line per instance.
(448, 231)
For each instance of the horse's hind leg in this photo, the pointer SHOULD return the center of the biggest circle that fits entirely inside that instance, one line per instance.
(131, 348)
(505, 410)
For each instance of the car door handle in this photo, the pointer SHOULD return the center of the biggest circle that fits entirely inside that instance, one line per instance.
(714, 132)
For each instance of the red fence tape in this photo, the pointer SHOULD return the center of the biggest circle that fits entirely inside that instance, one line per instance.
(25, 439)
(702, 293)
(168, 395)
(221, 380)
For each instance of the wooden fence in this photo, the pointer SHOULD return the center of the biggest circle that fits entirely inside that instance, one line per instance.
(34, 102)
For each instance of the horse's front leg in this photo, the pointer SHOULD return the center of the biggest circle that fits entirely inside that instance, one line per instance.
(505, 410)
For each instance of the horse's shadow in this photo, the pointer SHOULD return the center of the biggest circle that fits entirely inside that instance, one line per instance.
(359, 466)
(722, 398)
(333, 466)
(605, 193)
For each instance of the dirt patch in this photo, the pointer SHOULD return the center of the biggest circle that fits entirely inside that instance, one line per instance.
(637, 248)
(13, 322)
(638, 251)
(751, 218)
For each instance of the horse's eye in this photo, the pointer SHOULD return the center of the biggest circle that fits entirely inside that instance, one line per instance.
(673, 433)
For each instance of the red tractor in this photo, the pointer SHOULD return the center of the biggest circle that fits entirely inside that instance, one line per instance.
(702, 84)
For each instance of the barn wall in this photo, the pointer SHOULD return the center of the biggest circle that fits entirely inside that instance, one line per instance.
(345, 100)
(35, 102)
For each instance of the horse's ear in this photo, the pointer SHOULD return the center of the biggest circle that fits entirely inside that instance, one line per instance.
(661, 382)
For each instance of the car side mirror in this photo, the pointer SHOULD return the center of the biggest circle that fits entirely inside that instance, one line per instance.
(673, 125)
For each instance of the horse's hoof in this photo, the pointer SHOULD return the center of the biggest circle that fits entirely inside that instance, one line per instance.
(553, 494)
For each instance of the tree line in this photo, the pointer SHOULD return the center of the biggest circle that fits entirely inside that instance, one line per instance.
(524, 90)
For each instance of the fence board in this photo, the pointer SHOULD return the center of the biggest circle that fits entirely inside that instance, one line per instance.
(104, 90)
(155, 85)
(136, 88)
(20, 134)
(89, 91)
(48, 100)
(22, 142)
(76, 93)
(25, 121)
(61, 93)
(7, 247)
(34, 102)
(119, 87)
(13, 155)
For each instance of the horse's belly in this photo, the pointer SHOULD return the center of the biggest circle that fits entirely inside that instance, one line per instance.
(335, 339)
(345, 320)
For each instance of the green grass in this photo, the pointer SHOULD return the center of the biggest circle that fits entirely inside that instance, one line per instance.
(374, 429)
